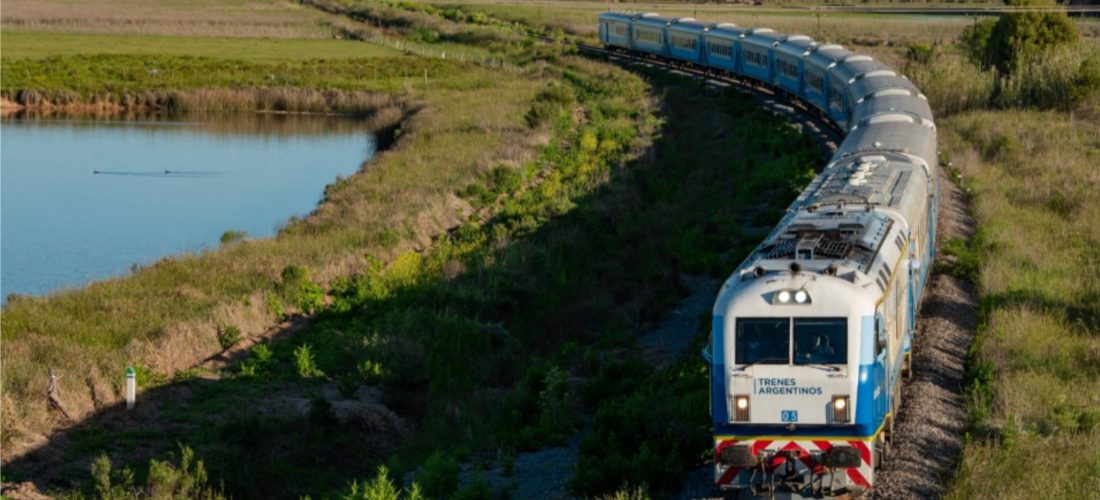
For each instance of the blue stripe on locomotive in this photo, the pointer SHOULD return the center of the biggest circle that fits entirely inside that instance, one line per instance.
(718, 410)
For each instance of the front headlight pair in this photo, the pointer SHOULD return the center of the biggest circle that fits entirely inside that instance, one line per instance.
(840, 406)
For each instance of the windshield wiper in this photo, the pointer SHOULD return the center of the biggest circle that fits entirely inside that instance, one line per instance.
(828, 368)
(761, 360)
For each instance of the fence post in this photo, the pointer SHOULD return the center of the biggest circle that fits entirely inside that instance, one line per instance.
(131, 387)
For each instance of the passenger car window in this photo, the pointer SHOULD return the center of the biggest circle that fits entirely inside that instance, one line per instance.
(820, 341)
(763, 340)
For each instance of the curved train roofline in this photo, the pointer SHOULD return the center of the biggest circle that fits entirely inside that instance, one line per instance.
(857, 244)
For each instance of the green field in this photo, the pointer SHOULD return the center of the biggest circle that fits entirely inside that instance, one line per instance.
(35, 45)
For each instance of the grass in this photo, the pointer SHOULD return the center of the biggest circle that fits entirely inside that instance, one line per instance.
(37, 44)
(1034, 378)
(232, 18)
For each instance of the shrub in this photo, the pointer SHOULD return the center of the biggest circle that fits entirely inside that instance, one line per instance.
(228, 336)
(275, 307)
(975, 39)
(1021, 36)
(303, 361)
(1017, 37)
(164, 480)
(920, 53)
(260, 361)
(300, 290)
(503, 179)
(381, 488)
(232, 236)
(439, 476)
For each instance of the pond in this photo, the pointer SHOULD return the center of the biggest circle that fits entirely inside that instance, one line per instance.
(82, 200)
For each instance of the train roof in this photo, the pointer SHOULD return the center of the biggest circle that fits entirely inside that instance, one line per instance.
(846, 222)
(653, 20)
(619, 16)
(857, 65)
(878, 80)
(889, 101)
(689, 25)
(727, 31)
(899, 132)
(764, 37)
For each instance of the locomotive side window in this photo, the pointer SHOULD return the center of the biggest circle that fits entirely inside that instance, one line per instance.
(820, 341)
(620, 29)
(763, 340)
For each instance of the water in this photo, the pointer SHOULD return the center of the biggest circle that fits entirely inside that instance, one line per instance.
(164, 187)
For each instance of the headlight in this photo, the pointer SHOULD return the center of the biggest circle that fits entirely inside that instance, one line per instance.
(741, 408)
(791, 297)
(840, 409)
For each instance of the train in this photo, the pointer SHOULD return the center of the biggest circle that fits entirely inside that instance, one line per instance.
(812, 333)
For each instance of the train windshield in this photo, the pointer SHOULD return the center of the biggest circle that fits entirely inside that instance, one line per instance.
(763, 340)
(821, 341)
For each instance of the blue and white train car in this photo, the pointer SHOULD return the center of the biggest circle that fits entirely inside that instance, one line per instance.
(757, 58)
(615, 30)
(789, 56)
(826, 58)
(811, 334)
(685, 41)
(649, 35)
(723, 48)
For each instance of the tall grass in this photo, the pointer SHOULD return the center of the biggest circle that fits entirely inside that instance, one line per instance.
(1061, 80)
(1035, 374)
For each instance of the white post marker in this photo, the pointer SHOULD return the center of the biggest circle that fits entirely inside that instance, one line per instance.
(131, 387)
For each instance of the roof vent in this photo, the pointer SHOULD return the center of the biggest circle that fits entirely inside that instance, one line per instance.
(804, 250)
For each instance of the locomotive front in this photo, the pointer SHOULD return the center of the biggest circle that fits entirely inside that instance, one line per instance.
(792, 380)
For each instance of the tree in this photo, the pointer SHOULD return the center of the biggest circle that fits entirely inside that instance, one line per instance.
(1018, 37)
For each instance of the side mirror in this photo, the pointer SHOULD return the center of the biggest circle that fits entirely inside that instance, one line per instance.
(880, 342)
(707, 356)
